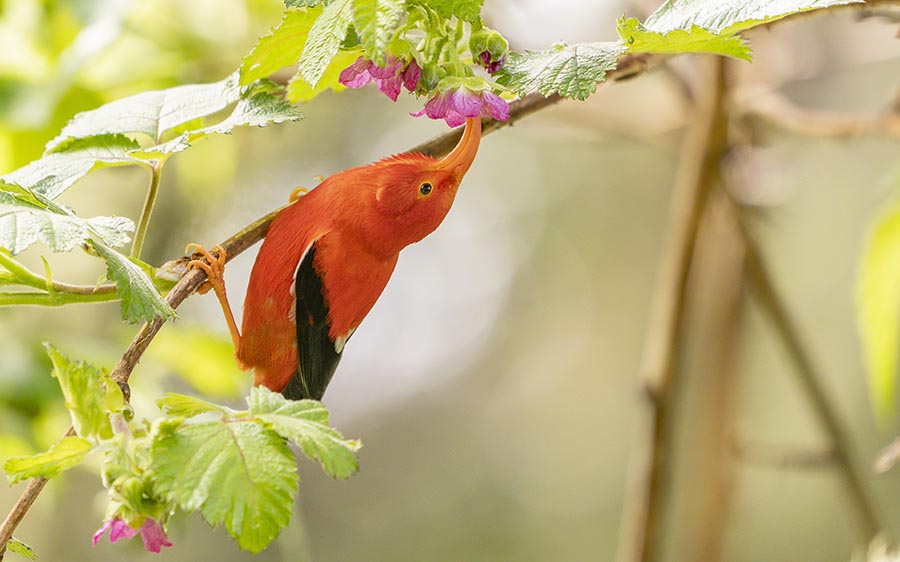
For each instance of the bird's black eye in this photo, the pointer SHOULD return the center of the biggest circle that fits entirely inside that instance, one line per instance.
(425, 188)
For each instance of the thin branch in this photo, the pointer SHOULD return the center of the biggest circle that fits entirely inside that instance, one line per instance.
(144, 223)
(766, 294)
(53, 293)
(648, 493)
(778, 110)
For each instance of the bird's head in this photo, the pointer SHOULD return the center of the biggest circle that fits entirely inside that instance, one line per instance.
(413, 192)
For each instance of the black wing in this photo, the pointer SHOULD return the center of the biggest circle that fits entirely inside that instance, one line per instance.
(317, 354)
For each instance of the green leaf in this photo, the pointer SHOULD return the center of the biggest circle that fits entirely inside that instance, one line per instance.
(281, 47)
(572, 71)
(304, 3)
(63, 455)
(238, 473)
(22, 549)
(84, 388)
(184, 406)
(878, 309)
(375, 22)
(56, 172)
(697, 40)
(151, 113)
(324, 40)
(305, 422)
(300, 91)
(467, 10)
(139, 299)
(27, 217)
(726, 17)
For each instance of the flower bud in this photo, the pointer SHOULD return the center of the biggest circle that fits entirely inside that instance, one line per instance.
(489, 49)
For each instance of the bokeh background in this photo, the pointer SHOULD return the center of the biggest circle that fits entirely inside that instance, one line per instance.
(495, 384)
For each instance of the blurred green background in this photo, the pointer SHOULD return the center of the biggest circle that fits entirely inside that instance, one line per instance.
(494, 385)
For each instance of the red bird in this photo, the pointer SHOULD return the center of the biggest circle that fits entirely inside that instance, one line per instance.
(327, 258)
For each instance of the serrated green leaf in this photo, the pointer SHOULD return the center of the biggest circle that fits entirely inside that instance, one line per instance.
(324, 40)
(54, 173)
(184, 406)
(139, 300)
(466, 10)
(151, 113)
(726, 17)
(305, 422)
(375, 22)
(238, 473)
(63, 455)
(84, 389)
(27, 217)
(304, 3)
(22, 549)
(878, 309)
(281, 47)
(572, 71)
(299, 91)
(639, 39)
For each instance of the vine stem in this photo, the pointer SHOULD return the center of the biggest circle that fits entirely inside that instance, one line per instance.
(144, 223)
(648, 492)
(52, 293)
(628, 67)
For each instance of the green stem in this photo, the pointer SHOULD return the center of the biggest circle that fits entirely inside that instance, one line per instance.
(141, 234)
(24, 276)
(52, 299)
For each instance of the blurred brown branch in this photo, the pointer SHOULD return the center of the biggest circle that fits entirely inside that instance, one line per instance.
(778, 110)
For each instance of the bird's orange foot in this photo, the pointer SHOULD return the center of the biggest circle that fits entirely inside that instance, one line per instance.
(297, 193)
(213, 265)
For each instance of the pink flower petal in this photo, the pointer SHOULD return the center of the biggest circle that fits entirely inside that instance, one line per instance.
(154, 536)
(454, 119)
(391, 69)
(411, 75)
(120, 530)
(390, 86)
(357, 74)
(100, 532)
(465, 102)
(495, 105)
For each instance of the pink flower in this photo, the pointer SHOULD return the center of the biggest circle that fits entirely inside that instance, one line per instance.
(388, 78)
(152, 533)
(453, 106)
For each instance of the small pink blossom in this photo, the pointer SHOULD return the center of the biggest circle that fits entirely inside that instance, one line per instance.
(454, 106)
(388, 78)
(151, 531)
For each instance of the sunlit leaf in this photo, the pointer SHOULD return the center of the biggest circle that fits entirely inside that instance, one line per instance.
(280, 48)
(375, 22)
(305, 422)
(22, 549)
(639, 39)
(63, 455)
(878, 309)
(237, 473)
(184, 406)
(151, 113)
(467, 10)
(725, 17)
(84, 388)
(138, 297)
(572, 71)
(300, 91)
(324, 40)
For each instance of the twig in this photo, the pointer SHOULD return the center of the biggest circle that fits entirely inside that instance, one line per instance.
(778, 110)
(629, 66)
(764, 290)
(782, 456)
(642, 530)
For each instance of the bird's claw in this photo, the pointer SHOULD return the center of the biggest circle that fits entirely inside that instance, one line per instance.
(212, 265)
(297, 193)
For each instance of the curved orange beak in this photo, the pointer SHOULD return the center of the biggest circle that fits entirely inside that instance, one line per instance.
(461, 158)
